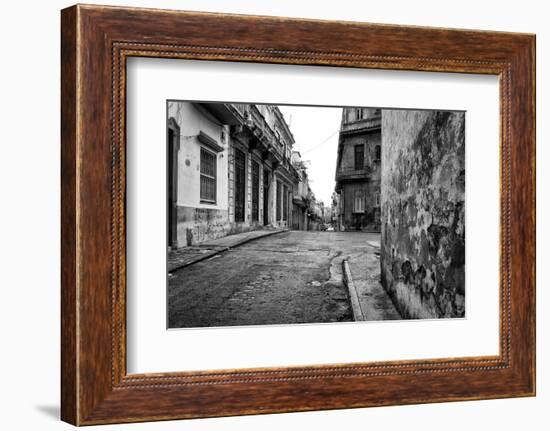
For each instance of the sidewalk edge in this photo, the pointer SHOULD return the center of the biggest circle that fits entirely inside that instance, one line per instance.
(223, 249)
(353, 295)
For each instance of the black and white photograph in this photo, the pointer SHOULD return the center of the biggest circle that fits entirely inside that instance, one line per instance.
(289, 214)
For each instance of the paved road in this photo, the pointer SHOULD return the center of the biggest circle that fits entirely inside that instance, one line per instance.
(292, 277)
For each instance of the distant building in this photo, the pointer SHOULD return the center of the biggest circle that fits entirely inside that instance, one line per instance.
(358, 169)
(301, 195)
(335, 211)
(229, 170)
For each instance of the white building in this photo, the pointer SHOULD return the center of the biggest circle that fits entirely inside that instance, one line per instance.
(229, 170)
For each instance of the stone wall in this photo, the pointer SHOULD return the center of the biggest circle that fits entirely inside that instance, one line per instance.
(423, 214)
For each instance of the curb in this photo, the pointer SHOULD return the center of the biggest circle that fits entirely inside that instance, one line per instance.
(223, 249)
(358, 315)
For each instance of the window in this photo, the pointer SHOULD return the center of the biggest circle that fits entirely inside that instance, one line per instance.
(208, 176)
(378, 152)
(240, 185)
(255, 191)
(359, 157)
(358, 202)
(359, 114)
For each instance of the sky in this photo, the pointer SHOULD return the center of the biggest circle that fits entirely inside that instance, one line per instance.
(315, 131)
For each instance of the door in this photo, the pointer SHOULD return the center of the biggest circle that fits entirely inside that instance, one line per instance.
(266, 197)
(240, 185)
(172, 187)
(255, 191)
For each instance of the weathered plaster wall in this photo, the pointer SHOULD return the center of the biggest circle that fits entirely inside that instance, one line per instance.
(196, 225)
(423, 214)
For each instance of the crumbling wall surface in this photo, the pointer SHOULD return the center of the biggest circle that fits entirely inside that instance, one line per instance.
(422, 204)
(196, 225)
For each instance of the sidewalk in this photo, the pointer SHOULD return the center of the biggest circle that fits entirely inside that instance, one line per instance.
(369, 299)
(185, 256)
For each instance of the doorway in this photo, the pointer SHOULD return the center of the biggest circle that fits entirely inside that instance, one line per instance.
(240, 185)
(266, 197)
(172, 182)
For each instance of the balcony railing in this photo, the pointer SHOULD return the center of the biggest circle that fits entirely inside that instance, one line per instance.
(259, 122)
(352, 173)
(252, 118)
(241, 108)
(369, 123)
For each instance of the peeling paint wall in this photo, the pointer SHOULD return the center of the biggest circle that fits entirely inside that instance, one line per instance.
(423, 214)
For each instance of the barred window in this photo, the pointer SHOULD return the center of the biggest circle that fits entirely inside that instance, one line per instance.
(208, 176)
(358, 202)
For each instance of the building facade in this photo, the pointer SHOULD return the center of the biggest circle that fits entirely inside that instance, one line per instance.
(301, 194)
(358, 170)
(229, 170)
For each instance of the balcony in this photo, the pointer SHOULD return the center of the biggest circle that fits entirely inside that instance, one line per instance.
(241, 109)
(352, 174)
(221, 111)
(257, 122)
(301, 201)
(371, 123)
(255, 129)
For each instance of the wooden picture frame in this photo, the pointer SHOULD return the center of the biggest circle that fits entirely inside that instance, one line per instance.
(95, 43)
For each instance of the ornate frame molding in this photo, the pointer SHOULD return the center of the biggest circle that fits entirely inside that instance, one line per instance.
(96, 41)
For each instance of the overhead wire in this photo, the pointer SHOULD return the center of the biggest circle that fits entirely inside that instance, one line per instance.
(321, 143)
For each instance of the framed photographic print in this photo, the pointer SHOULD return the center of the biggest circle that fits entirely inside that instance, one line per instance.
(267, 215)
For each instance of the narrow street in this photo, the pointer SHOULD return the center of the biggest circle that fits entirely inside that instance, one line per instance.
(289, 277)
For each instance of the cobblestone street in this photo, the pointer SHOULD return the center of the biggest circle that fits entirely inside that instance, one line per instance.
(289, 277)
